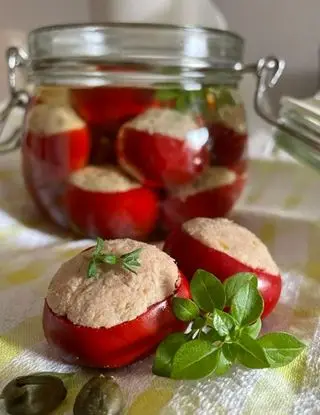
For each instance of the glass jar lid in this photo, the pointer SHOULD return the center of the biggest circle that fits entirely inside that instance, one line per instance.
(149, 44)
(298, 129)
(96, 55)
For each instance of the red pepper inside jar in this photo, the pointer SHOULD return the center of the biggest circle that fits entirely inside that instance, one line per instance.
(56, 143)
(163, 116)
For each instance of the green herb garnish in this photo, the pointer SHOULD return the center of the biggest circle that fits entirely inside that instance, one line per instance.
(185, 100)
(129, 261)
(217, 339)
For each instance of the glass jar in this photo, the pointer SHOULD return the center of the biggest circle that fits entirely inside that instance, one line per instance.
(132, 129)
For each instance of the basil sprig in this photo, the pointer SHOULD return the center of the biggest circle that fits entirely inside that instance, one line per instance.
(186, 100)
(128, 261)
(216, 339)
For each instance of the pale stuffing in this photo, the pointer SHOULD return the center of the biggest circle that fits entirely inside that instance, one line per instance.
(164, 121)
(109, 179)
(46, 120)
(235, 240)
(114, 295)
(212, 178)
(234, 117)
(54, 95)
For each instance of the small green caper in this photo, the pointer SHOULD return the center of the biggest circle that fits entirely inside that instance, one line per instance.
(33, 395)
(99, 396)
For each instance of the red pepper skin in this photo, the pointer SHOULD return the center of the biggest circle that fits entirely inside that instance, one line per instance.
(212, 203)
(191, 255)
(131, 214)
(228, 146)
(110, 107)
(116, 346)
(65, 152)
(103, 149)
(47, 162)
(159, 161)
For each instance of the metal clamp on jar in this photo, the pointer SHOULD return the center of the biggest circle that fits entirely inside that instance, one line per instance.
(135, 128)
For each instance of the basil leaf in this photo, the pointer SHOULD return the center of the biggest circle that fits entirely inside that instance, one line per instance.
(185, 309)
(92, 268)
(182, 103)
(223, 364)
(280, 348)
(198, 323)
(207, 291)
(233, 284)
(251, 354)
(210, 335)
(167, 94)
(230, 351)
(222, 322)
(99, 247)
(253, 330)
(224, 98)
(194, 360)
(197, 97)
(162, 364)
(247, 304)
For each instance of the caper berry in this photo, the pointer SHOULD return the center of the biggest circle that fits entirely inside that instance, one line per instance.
(101, 395)
(33, 395)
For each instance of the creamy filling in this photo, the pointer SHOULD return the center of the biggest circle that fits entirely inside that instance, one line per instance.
(109, 179)
(46, 120)
(212, 178)
(115, 295)
(54, 96)
(234, 118)
(170, 123)
(236, 241)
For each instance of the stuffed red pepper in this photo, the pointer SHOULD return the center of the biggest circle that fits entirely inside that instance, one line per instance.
(225, 248)
(111, 304)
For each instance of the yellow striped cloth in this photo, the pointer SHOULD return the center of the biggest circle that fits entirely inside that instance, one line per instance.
(281, 205)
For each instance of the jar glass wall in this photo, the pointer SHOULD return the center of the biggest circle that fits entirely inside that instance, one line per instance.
(134, 161)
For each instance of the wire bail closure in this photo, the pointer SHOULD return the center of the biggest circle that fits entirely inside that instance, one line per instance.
(268, 73)
(16, 58)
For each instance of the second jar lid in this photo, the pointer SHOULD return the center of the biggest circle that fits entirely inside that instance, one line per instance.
(299, 129)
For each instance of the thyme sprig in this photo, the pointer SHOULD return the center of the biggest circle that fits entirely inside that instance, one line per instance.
(128, 261)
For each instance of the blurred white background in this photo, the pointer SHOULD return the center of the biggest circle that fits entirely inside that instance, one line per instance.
(286, 28)
(18, 17)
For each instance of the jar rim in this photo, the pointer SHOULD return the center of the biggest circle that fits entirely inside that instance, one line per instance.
(148, 47)
(132, 25)
(129, 41)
